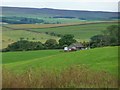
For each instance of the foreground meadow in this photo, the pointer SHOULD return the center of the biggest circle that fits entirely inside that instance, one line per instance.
(55, 68)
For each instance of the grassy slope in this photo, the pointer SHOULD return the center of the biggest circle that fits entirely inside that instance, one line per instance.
(81, 32)
(10, 36)
(16, 35)
(105, 59)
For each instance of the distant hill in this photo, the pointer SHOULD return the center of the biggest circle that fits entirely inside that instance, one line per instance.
(56, 13)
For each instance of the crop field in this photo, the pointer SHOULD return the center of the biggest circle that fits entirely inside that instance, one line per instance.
(35, 26)
(54, 68)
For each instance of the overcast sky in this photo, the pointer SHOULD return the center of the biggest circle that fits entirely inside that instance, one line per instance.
(92, 5)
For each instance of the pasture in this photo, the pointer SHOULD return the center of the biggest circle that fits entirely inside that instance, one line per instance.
(9, 36)
(95, 68)
(99, 59)
(54, 68)
(82, 32)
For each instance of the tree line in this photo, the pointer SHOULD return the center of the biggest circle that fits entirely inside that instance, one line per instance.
(21, 20)
(109, 37)
(25, 45)
(24, 20)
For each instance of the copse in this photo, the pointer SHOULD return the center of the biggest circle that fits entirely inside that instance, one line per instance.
(24, 45)
(51, 44)
(99, 41)
(113, 33)
(109, 37)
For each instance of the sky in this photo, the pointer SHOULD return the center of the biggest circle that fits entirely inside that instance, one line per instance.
(91, 5)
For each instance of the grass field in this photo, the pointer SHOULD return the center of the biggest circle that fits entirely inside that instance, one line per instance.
(9, 36)
(99, 59)
(81, 32)
(91, 68)
(95, 68)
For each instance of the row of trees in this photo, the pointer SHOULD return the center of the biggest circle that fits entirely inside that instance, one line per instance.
(21, 20)
(109, 37)
(25, 20)
(24, 45)
(54, 34)
(70, 17)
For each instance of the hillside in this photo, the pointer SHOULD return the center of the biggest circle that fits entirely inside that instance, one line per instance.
(82, 32)
(33, 56)
(56, 13)
(99, 59)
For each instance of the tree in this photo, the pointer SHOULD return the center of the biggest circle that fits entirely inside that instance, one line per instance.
(33, 38)
(110, 37)
(21, 39)
(99, 41)
(51, 44)
(113, 34)
(67, 39)
(86, 44)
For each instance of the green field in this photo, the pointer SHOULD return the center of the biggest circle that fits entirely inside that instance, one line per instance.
(54, 68)
(9, 36)
(99, 59)
(81, 32)
(61, 20)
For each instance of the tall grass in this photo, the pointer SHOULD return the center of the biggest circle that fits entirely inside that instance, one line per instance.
(73, 77)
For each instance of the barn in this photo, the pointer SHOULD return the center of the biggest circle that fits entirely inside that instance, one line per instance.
(78, 46)
(74, 47)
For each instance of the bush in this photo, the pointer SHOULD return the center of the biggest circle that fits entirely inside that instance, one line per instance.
(51, 44)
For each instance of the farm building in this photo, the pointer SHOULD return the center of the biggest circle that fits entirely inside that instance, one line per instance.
(74, 47)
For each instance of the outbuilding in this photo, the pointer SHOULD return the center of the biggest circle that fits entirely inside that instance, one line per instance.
(74, 47)
(77, 45)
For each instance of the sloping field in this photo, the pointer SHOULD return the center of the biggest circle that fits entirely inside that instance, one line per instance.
(9, 36)
(81, 32)
(99, 59)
